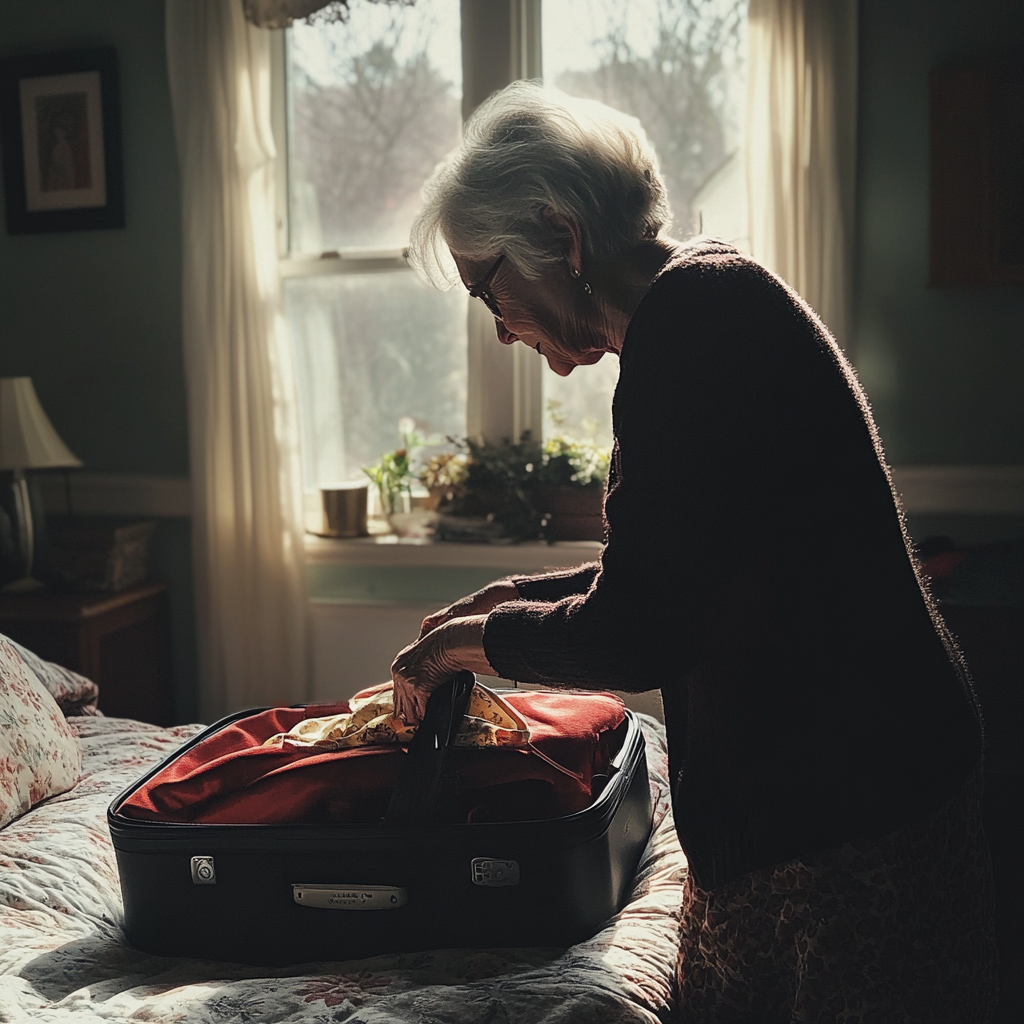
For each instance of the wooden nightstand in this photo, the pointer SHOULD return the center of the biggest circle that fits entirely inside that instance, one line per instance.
(118, 640)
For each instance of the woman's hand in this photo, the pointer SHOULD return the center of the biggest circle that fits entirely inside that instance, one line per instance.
(480, 603)
(423, 666)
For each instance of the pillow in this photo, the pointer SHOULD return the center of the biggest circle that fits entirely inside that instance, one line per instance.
(39, 754)
(74, 694)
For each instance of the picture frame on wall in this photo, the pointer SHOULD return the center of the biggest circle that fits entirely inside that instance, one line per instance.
(60, 130)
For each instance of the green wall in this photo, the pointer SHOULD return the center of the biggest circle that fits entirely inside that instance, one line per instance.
(944, 368)
(94, 317)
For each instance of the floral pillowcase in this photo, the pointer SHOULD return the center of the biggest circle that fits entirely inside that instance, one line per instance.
(74, 694)
(39, 754)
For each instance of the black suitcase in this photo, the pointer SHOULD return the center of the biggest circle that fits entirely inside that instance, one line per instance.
(287, 893)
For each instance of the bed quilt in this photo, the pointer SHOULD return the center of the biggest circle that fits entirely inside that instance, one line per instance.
(63, 955)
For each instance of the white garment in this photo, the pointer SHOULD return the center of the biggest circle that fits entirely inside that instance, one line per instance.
(801, 138)
(247, 534)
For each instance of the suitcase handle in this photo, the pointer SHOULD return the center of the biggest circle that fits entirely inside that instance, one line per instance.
(426, 791)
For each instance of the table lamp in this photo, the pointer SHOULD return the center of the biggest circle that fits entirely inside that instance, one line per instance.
(27, 441)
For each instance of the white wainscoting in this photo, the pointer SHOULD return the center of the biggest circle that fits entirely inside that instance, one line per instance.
(353, 646)
(970, 490)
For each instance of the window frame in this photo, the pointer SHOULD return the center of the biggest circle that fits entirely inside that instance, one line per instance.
(504, 382)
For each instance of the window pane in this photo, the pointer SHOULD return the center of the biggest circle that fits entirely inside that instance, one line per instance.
(678, 66)
(374, 104)
(580, 405)
(370, 349)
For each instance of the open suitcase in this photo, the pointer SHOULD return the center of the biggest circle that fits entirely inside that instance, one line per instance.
(292, 893)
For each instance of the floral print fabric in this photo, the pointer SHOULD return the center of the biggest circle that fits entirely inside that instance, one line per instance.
(63, 957)
(74, 694)
(894, 928)
(39, 754)
(371, 721)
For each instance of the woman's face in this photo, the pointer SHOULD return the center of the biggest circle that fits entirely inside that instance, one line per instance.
(553, 314)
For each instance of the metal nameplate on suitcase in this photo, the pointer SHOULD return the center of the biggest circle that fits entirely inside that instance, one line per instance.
(350, 897)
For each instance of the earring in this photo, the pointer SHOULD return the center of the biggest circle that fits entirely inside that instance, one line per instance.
(574, 272)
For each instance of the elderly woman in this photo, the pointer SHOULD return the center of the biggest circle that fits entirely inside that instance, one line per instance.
(824, 740)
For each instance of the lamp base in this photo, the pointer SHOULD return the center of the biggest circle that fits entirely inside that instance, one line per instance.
(23, 586)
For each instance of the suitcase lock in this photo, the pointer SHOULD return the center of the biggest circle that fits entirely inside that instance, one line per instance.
(203, 871)
(494, 873)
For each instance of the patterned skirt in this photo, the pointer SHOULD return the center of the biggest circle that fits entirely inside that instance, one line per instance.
(897, 928)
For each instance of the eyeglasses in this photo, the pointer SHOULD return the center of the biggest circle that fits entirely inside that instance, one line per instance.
(482, 290)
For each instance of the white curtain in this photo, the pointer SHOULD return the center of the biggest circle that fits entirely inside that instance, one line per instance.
(250, 584)
(801, 138)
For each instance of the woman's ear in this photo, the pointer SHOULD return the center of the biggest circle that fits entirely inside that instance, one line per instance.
(568, 237)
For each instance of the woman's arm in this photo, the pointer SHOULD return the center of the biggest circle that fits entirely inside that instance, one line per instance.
(453, 638)
(545, 587)
(480, 602)
(553, 586)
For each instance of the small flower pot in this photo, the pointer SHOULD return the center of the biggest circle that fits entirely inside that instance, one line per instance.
(572, 513)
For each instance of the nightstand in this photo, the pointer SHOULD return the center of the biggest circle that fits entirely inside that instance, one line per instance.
(119, 640)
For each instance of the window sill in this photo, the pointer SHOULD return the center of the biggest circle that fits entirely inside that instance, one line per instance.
(391, 570)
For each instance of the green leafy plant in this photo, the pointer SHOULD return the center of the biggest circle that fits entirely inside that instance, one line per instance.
(568, 462)
(392, 474)
(498, 484)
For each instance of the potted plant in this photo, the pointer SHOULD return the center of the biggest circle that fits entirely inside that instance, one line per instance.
(393, 477)
(570, 488)
(494, 500)
(444, 477)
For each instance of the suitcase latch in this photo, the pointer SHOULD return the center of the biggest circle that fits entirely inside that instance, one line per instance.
(494, 873)
(203, 871)
(350, 897)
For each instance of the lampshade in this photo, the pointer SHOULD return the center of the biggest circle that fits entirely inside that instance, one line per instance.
(27, 437)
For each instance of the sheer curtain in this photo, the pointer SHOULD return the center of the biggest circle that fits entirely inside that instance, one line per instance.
(248, 550)
(801, 137)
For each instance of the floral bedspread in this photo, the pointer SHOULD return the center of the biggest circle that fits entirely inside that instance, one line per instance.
(63, 957)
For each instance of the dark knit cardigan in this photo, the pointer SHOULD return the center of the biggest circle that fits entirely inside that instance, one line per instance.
(757, 571)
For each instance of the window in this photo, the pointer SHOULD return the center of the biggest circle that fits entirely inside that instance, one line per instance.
(677, 66)
(371, 106)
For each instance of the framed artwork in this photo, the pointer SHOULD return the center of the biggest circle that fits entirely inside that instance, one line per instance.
(976, 235)
(60, 128)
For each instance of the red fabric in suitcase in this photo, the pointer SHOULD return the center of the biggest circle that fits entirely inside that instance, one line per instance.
(231, 778)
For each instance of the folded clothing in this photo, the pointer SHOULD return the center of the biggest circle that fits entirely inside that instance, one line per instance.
(371, 722)
(234, 777)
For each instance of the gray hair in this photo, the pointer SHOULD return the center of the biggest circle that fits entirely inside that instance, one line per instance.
(528, 150)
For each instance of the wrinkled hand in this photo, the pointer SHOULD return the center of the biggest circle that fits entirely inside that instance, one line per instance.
(483, 601)
(423, 666)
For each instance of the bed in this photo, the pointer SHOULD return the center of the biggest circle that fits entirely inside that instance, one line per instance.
(63, 955)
